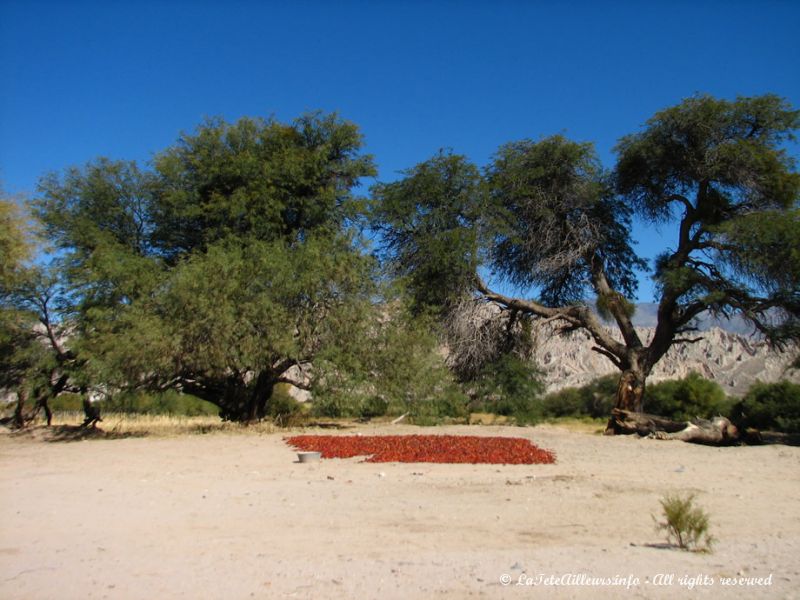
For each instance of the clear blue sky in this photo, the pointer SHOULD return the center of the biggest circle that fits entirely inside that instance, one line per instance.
(123, 78)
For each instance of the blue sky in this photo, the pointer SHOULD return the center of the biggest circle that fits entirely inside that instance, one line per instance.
(123, 78)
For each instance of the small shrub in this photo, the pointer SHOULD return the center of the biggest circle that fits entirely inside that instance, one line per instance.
(769, 406)
(685, 524)
(283, 408)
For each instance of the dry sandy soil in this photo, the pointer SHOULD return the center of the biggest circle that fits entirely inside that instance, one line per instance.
(235, 516)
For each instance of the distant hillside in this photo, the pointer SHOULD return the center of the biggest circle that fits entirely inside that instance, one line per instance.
(646, 315)
(732, 360)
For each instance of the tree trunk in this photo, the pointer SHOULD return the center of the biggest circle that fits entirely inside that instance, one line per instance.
(630, 396)
(19, 418)
(262, 391)
(630, 391)
(716, 432)
(48, 413)
(242, 403)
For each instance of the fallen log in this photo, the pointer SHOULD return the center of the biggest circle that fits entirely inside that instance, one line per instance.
(718, 431)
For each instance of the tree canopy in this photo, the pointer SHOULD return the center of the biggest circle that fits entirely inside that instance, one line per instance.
(229, 261)
(547, 218)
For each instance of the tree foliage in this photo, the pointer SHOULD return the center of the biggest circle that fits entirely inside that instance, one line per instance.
(226, 264)
(430, 228)
(15, 247)
(35, 362)
(556, 216)
(719, 167)
(394, 366)
(548, 219)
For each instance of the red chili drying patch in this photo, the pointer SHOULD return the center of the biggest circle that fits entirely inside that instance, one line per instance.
(425, 448)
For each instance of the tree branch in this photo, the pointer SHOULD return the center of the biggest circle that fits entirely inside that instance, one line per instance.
(617, 362)
(687, 340)
(576, 316)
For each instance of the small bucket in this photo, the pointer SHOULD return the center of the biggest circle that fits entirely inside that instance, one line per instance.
(305, 457)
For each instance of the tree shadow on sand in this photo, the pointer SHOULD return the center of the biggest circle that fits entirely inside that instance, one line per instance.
(72, 433)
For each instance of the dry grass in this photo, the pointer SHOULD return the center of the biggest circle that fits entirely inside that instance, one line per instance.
(116, 425)
(66, 426)
(579, 425)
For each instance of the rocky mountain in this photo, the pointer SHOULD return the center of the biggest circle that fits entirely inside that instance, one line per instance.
(734, 361)
(646, 315)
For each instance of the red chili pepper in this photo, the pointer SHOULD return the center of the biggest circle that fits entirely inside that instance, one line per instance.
(425, 448)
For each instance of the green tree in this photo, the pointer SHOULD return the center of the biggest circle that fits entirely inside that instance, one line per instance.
(257, 178)
(429, 224)
(552, 221)
(512, 387)
(15, 247)
(34, 359)
(233, 260)
(393, 366)
(16, 326)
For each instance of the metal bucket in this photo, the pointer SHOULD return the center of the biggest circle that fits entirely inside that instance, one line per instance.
(305, 457)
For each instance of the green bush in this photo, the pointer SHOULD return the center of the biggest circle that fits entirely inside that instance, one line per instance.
(396, 368)
(596, 399)
(374, 406)
(332, 406)
(769, 406)
(449, 403)
(512, 387)
(687, 398)
(685, 524)
(282, 407)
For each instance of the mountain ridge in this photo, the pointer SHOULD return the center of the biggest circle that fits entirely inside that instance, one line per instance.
(734, 361)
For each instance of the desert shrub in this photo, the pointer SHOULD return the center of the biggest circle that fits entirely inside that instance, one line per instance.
(595, 399)
(374, 406)
(449, 403)
(510, 386)
(282, 407)
(687, 398)
(685, 524)
(769, 406)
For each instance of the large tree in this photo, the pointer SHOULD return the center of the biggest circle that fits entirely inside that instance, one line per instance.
(546, 217)
(34, 360)
(231, 260)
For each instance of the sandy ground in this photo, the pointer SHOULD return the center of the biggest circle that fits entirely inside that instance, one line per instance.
(235, 516)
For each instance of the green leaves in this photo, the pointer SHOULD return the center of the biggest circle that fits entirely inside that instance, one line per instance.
(723, 165)
(556, 216)
(716, 154)
(541, 214)
(224, 265)
(105, 202)
(15, 248)
(430, 223)
(686, 524)
(257, 178)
